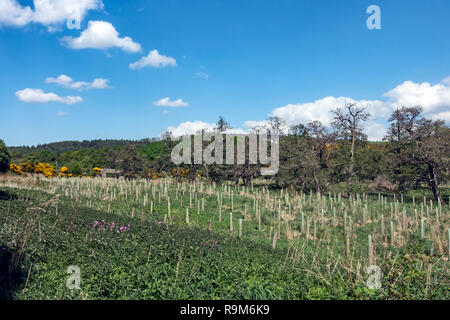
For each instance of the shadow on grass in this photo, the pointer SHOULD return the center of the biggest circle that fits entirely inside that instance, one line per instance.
(11, 278)
(4, 195)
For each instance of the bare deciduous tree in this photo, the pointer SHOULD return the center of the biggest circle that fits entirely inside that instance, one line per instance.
(348, 124)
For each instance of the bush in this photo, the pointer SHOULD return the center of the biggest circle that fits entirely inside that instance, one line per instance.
(5, 157)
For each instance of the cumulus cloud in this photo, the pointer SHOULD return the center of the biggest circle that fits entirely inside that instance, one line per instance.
(39, 96)
(190, 127)
(444, 115)
(155, 60)
(375, 131)
(101, 35)
(67, 81)
(434, 99)
(166, 102)
(250, 124)
(319, 110)
(13, 14)
(262, 126)
(46, 12)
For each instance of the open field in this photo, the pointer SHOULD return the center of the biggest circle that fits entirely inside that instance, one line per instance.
(162, 239)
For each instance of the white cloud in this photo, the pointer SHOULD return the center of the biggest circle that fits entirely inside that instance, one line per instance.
(444, 115)
(319, 110)
(153, 59)
(62, 113)
(192, 127)
(99, 83)
(46, 12)
(13, 14)
(189, 127)
(250, 124)
(67, 81)
(101, 35)
(263, 125)
(39, 96)
(237, 131)
(434, 99)
(202, 75)
(375, 131)
(165, 102)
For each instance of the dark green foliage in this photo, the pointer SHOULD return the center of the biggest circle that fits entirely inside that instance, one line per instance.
(129, 161)
(64, 146)
(75, 169)
(5, 157)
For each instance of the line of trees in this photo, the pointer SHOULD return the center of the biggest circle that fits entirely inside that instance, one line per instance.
(414, 153)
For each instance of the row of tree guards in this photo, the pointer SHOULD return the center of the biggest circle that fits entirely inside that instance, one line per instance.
(274, 215)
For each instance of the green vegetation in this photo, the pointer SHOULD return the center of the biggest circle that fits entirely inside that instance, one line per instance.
(292, 245)
(5, 157)
(343, 218)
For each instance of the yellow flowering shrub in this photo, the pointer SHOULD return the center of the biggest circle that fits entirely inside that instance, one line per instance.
(28, 167)
(49, 172)
(179, 172)
(154, 174)
(15, 168)
(46, 169)
(64, 169)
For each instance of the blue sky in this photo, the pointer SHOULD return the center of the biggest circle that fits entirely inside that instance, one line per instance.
(244, 60)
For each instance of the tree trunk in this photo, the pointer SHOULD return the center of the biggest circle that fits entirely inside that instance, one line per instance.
(434, 183)
(350, 168)
(207, 172)
(316, 182)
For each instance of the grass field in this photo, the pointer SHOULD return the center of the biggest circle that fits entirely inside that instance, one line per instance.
(163, 239)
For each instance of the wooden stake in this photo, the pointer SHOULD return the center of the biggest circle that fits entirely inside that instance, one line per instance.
(240, 228)
(274, 240)
(231, 221)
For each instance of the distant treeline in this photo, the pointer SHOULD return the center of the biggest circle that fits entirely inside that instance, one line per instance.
(64, 146)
